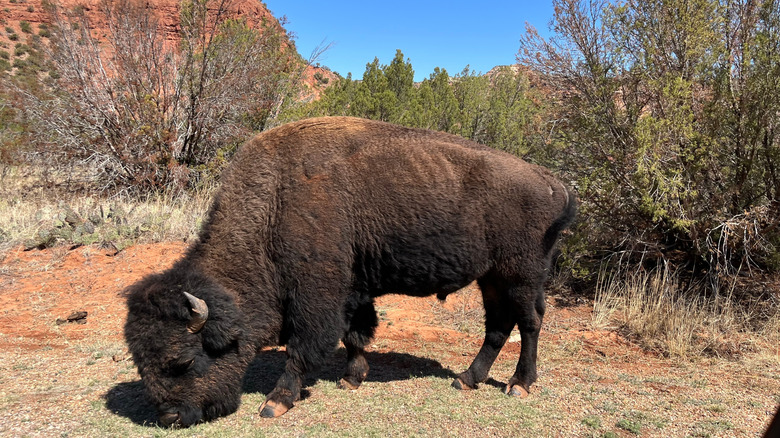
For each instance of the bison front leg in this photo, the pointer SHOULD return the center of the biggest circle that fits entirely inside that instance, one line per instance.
(314, 328)
(305, 352)
(286, 392)
(314, 267)
(362, 324)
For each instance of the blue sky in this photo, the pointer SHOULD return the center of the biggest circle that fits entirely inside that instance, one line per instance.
(431, 34)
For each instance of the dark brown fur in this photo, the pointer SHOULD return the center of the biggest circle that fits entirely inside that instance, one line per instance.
(314, 220)
(773, 430)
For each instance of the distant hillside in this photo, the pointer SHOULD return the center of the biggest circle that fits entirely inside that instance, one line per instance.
(21, 19)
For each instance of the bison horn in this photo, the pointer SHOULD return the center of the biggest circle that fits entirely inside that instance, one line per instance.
(200, 313)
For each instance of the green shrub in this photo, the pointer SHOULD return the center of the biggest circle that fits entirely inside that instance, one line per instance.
(672, 161)
(44, 31)
(320, 78)
(21, 49)
(25, 26)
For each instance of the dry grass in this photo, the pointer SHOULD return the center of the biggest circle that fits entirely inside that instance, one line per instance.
(26, 211)
(662, 315)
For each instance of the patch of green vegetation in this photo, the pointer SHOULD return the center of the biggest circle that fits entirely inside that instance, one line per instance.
(711, 427)
(592, 421)
(609, 407)
(21, 49)
(44, 31)
(321, 79)
(25, 26)
(13, 37)
(632, 426)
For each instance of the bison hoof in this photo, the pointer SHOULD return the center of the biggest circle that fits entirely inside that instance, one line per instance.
(459, 384)
(516, 391)
(272, 409)
(170, 419)
(345, 384)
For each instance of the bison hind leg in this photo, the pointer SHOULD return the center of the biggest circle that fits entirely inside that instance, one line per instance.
(530, 314)
(499, 322)
(362, 324)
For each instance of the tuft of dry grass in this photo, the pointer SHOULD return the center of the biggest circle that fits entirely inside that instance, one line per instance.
(654, 308)
(119, 220)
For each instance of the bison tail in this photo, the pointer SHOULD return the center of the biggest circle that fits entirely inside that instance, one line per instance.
(563, 221)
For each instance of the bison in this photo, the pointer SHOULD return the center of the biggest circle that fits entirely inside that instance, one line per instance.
(312, 222)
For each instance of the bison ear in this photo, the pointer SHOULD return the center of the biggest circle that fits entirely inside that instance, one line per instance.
(219, 336)
(199, 313)
(223, 330)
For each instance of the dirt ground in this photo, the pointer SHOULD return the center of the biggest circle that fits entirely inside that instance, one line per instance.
(55, 376)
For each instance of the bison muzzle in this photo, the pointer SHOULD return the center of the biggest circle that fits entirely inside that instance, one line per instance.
(312, 222)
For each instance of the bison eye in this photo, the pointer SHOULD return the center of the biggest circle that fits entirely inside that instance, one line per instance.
(179, 367)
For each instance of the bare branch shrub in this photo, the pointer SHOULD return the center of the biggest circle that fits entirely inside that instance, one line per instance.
(147, 113)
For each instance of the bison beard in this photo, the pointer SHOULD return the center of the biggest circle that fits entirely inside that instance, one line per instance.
(313, 221)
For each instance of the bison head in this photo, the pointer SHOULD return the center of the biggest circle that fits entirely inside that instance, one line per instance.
(186, 336)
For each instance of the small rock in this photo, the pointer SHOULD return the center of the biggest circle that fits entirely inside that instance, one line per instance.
(44, 239)
(79, 317)
(96, 218)
(71, 217)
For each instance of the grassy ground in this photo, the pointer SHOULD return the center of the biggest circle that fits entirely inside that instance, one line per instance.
(77, 380)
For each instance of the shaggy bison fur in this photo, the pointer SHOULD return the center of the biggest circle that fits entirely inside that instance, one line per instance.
(313, 221)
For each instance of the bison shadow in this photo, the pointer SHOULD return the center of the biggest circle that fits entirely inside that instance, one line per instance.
(128, 400)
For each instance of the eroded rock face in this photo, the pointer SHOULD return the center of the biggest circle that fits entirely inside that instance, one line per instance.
(14, 12)
(21, 19)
